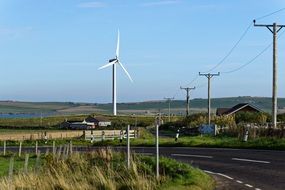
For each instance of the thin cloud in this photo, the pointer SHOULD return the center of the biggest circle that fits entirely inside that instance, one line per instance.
(160, 3)
(93, 4)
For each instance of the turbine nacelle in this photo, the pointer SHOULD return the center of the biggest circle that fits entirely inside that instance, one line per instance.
(116, 60)
(111, 60)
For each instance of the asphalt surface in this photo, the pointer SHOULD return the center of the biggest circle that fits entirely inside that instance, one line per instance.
(234, 169)
(239, 168)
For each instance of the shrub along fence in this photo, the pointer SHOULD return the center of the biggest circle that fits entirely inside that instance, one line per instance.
(254, 131)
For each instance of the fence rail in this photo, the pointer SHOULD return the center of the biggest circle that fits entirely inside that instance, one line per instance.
(108, 134)
(41, 135)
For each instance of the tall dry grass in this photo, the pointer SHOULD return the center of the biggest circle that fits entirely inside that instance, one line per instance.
(98, 170)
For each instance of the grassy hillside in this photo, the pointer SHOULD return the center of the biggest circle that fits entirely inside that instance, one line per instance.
(199, 103)
(177, 106)
(33, 107)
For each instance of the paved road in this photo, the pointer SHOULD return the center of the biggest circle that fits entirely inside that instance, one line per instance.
(241, 169)
(237, 168)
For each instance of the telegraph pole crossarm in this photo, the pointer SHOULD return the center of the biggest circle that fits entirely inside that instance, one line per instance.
(274, 29)
(209, 76)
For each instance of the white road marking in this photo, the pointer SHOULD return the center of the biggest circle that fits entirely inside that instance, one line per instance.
(192, 155)
(209, 172)
(248, 185)
(249, 160)
(226, 176)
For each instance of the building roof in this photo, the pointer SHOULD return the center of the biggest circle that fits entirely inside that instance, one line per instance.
(236, 108)
(221, 111)
(95, 120)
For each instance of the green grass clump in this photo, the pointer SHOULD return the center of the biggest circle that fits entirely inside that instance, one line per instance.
(105, 169)
(18, 163)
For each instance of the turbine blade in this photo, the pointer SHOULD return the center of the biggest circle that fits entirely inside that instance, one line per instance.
(107, 65)
(118, 45)
(126, 72)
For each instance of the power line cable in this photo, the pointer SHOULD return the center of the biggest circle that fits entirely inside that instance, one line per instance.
(243, 35)
(233, 48)
(253, 59)
(227, 55)
(270, 14)
(249, 62)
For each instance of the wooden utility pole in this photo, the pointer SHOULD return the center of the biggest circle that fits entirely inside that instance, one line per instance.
(274, 28)
(209, 76)
(187, 97)
(169, 101)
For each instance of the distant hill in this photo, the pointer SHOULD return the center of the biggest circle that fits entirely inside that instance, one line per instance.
(177, 106)
(262, 102)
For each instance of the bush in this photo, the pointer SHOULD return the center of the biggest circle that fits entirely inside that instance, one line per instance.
(249, 117)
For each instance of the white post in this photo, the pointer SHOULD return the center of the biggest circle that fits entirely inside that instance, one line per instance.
(20, 148)
(157, 151)
(128, 146)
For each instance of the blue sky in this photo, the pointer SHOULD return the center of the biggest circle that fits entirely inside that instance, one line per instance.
(50, 50)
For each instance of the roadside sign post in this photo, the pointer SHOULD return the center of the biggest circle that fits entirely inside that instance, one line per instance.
(158, 120)
(177, 135)
(157, 151)
(128, 147)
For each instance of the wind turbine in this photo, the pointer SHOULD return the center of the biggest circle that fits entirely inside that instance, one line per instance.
(113, 62)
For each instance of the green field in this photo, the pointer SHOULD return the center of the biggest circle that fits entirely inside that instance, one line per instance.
(148, 139)
(53, 122)
(18, 163)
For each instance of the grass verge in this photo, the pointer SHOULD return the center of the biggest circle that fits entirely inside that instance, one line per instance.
(105, 169)
(147, 139)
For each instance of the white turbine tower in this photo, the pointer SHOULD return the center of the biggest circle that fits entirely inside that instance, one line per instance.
(114, 62)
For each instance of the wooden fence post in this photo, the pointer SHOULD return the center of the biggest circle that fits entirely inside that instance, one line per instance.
(37, 166)
(26, 163)
(36, 147)
(71, 148)
(53, 148)
(20, 148)
(4, 150)
(11, 167)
